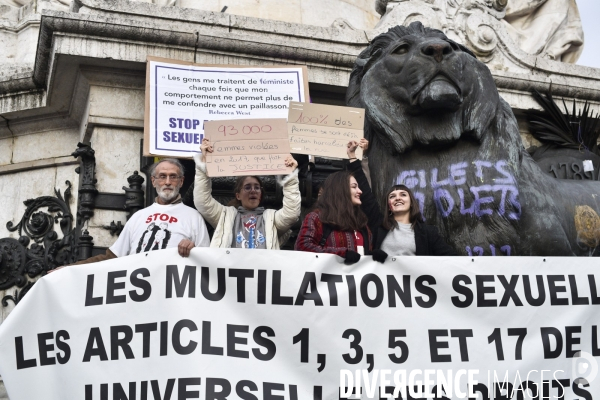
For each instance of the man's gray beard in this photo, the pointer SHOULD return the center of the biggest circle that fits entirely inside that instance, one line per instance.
(165, 196)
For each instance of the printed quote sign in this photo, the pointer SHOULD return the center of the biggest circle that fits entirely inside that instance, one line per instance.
(263, 324)
(182, 96)
(325, 131)
(247, 147)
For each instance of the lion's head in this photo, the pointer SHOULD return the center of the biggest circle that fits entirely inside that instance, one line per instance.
(419, 87)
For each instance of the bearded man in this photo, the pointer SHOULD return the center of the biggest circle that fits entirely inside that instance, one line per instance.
(167, 221)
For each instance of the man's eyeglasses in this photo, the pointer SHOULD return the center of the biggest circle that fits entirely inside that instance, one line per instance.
(164, 178)
(250, 188)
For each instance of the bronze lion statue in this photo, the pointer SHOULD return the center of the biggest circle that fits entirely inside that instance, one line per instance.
(436, 123)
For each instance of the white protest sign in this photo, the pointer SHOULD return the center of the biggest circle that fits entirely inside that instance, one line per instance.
(181, 96)
(260, 324)
(323, 130)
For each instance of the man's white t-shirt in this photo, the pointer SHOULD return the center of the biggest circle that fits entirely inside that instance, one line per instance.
(160, 227)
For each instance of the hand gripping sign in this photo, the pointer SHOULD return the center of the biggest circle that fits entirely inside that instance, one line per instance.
(322, 130)
(181, 96)
(247, 147)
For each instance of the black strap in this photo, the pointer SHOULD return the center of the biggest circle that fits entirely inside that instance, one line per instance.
(327, 229)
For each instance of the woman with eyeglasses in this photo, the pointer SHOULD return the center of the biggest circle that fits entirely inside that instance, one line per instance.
(243, 224)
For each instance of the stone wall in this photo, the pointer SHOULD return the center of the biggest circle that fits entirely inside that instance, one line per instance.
(117, 157)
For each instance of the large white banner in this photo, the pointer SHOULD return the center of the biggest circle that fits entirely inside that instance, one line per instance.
(276, 325)
(181, 96)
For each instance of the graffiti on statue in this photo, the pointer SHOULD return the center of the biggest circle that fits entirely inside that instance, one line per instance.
(496, 193)
(480, 251)
(436, 122)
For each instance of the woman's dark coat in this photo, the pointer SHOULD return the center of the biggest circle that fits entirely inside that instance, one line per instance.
(427, 239)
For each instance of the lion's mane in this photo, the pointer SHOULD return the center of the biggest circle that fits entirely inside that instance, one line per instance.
(372, 87)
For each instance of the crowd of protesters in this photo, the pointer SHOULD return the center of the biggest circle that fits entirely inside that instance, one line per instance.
(346, 220)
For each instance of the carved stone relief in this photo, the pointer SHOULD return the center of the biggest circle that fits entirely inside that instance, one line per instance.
(546, 28)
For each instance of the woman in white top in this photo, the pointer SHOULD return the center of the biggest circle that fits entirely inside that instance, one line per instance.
(246, 225)
(401, 231)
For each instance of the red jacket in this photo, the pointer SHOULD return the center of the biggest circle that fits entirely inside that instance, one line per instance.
(338, 242)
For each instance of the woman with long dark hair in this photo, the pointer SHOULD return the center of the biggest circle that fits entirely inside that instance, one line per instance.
(338, 225)
(244, 224)
(401, 230)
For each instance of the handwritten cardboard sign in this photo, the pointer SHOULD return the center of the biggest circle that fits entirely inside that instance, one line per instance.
(247, 147)
(323, 130)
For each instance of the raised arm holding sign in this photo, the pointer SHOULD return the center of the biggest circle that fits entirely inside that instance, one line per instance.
(322, 130)
(244, 224)
(247, 146)
(181, 96)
